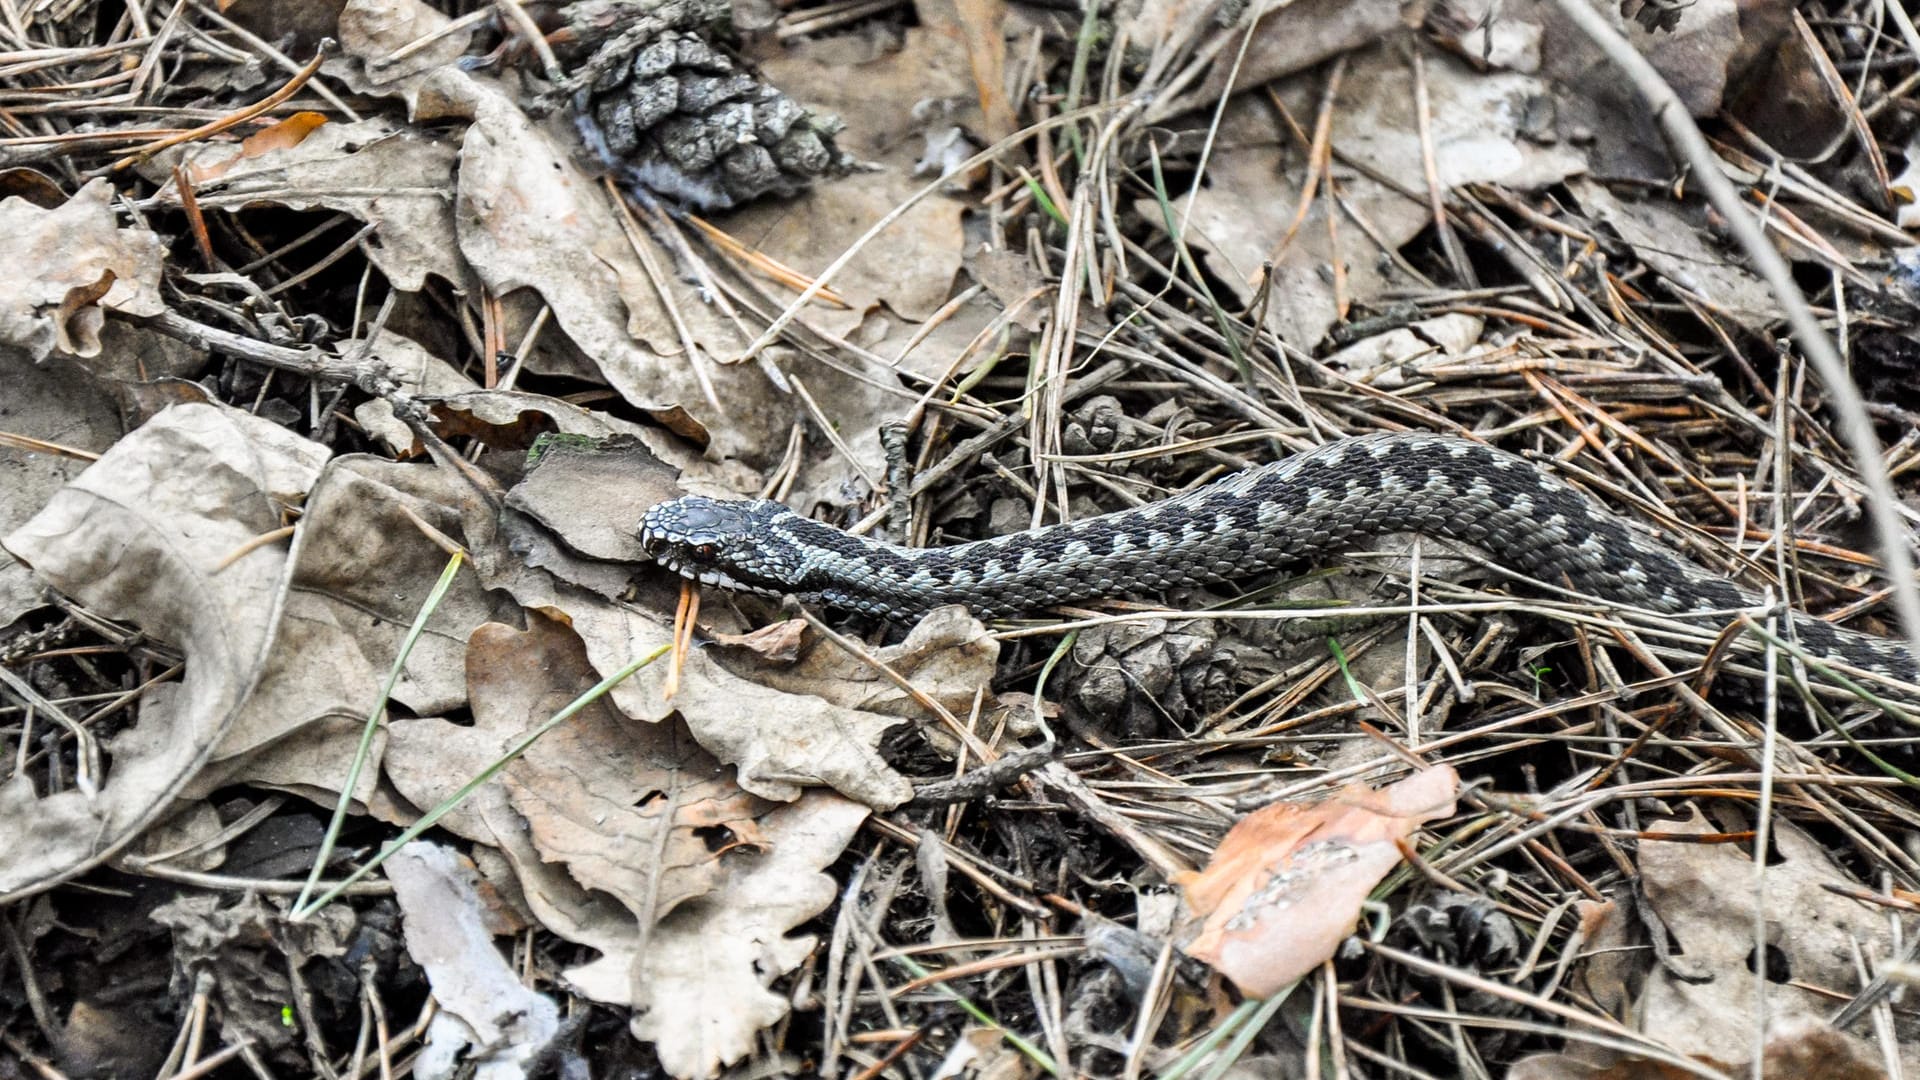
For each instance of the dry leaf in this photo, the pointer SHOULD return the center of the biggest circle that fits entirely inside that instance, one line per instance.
(777, 643)
(58, 403)
(1701, 58)
(1705, 896)
(417, 371)
(910, 266)
(1674, 240)
(1477, 134)
(589, 493)
(528, 216)
(1290, 36)
(1284, 887)
(1796, 1047)
(980, 26)
(489, 1022)
(373, 30)
(699, 983)
(248, 945)
(780, 742)
(81, 263)
(376, 171)
(1392, 360)
(948, 656)
(284, 135)
(143, 535)
(635, 810)
(361, 570)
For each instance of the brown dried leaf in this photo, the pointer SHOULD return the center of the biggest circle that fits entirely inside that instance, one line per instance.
(634, 812)
(629, 808)
(417, 371)
(980, 26)
(567, 492)
(779, 741)
(699, 982)
(529, 217)
(910, 267)
(1284, 887)
(777, 643)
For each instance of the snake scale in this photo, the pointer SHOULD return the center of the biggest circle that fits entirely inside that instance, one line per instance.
(1247, 523)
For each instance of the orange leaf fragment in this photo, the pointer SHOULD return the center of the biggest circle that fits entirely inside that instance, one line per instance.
(283, 135)
(1285, 885)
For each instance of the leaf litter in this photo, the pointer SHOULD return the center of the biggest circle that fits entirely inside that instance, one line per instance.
(265, 367)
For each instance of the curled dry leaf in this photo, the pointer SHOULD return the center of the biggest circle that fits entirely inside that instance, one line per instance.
(82, 263)
(1284, 887)
(777, 643)
(144, 536)
(575, 251)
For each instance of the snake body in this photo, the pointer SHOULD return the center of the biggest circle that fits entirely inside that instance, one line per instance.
(1245, 524)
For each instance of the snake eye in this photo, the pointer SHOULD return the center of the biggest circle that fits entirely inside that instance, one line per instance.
(705, 552)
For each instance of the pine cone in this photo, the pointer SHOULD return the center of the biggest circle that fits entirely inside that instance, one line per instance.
(676, 115)
(1148, 679)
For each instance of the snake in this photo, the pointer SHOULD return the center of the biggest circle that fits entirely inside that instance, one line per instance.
(1247, 523)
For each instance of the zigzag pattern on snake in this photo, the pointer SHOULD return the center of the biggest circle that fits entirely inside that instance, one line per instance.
(1254, 521)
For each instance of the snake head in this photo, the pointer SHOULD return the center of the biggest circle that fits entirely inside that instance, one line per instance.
(732, 544)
